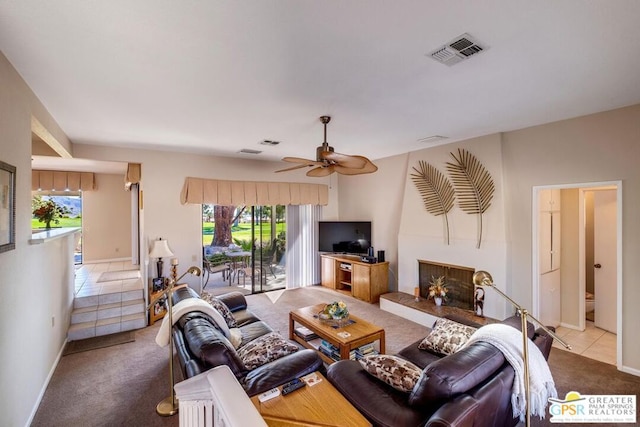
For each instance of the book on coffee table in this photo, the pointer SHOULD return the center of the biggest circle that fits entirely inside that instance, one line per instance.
(305, 333)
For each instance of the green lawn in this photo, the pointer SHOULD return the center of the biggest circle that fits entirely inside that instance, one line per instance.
(64, 222)
(242, 231)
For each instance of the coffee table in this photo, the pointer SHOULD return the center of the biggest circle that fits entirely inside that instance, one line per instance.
(317, 405)
(359, 333)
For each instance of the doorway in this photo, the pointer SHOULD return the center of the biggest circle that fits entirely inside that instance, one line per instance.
(563, 288)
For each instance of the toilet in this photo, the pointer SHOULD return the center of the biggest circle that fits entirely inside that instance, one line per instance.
(590, 302)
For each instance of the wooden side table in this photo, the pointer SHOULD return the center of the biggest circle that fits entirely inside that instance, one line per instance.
(317, 405)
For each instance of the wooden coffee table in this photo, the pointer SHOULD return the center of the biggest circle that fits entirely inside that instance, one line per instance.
(360, 333)
(317, 405)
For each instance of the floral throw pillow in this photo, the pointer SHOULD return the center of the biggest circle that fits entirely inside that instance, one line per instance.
(446, 337)
(395, 371)
(222, 309)
(265, 349)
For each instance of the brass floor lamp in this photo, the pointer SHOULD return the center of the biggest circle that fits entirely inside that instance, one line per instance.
(169, 406)
(483, 278)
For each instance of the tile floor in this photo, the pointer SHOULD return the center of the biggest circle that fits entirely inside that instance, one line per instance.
(593, 343)
(87, 275)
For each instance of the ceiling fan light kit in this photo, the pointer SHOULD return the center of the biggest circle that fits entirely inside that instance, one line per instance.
(328, 161)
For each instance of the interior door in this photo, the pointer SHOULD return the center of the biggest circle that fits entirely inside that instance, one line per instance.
(605, 267)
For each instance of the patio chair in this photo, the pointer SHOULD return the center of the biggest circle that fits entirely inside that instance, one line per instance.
(218, 263)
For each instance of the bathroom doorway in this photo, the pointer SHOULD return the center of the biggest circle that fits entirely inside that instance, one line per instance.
(563, 287)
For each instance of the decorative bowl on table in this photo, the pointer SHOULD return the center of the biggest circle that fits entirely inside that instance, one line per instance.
(335, 313)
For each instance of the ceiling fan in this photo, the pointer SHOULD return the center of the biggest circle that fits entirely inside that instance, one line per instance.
(328, 161)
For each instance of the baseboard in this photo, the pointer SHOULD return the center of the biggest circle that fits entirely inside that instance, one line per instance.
(631, 371)
(46, 384)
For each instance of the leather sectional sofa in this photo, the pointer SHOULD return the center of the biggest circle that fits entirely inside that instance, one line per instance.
(470, 387)
(201, 345)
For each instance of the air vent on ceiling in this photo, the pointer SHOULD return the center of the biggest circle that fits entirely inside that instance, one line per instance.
(269, 142)
(249, 151)
(432, 139)
(458, 49)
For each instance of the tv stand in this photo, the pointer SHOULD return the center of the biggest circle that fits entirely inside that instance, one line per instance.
(346, 273)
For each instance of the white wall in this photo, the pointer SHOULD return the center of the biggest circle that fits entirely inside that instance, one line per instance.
(106, 220)
(377, 198)
(36, 281)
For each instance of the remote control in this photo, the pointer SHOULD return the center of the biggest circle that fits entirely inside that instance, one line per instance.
(292, 386)
(267, 395)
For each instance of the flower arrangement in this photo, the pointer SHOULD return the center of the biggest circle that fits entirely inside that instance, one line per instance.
(337, 310)
(437, 288)
(48, 211)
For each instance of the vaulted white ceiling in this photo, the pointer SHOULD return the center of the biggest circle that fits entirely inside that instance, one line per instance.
(215, 77)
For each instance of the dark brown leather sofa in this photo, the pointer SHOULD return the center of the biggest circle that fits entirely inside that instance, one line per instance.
(471, 387)
(200, 346)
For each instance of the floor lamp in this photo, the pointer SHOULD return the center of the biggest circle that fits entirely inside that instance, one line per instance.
(169, 406)
(483, 278)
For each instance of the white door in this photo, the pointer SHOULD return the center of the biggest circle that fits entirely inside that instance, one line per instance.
(605, 265)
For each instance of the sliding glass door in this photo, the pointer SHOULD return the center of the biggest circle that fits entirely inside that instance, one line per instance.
(251, 240)
(269, 248)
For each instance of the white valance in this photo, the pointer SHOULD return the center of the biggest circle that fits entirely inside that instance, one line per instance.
(252, 193)
(62, 181)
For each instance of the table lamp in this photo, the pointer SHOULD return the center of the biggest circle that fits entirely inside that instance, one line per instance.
(160, 249)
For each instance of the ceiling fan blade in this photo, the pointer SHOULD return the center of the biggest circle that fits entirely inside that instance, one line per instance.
(368, 168)
(294, 168)
(299, 160)
(346, 160)
(321, 171)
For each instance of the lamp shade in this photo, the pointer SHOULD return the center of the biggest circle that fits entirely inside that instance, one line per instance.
(160, 249)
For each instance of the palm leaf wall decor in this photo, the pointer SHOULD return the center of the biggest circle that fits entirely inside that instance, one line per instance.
(436, 191)
(474, 185)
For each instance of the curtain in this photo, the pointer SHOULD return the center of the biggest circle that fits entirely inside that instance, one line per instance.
(252, 193)
(60, 181)
(133, 175)
(303, 260)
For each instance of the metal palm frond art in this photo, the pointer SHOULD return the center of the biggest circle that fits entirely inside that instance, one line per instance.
(436, 191)
(474, 185)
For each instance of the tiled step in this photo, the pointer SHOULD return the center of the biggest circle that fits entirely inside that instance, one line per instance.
(108, 308)
(111, 325)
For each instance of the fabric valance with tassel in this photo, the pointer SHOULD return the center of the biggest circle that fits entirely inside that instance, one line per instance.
(253, 193)
(62, 181)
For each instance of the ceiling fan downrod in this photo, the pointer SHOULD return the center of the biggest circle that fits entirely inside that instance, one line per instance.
(325, 147)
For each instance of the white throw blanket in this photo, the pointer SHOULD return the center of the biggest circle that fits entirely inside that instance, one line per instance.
(186, 306)
(509, 340)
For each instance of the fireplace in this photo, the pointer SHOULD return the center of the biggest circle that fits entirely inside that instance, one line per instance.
(458, 279)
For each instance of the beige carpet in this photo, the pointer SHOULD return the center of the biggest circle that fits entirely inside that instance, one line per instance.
(110, 276)
(99, 342)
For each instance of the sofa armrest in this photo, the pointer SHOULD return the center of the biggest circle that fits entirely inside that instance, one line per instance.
(460, 411)
(234, 300)
(280, 371)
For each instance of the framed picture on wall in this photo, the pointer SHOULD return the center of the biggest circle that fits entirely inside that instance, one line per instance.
(7, 207)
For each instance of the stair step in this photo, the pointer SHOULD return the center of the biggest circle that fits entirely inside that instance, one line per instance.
(108, 326)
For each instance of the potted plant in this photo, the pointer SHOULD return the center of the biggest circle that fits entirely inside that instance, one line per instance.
(438, 290)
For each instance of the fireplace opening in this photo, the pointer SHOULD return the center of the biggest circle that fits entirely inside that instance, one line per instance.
(458, 280)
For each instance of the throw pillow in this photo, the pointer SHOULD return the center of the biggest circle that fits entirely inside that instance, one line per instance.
(222, 309)
(265, 349)
(393, 370)
(446, 337)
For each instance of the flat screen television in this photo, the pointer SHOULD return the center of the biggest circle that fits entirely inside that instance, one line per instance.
(349, 237)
